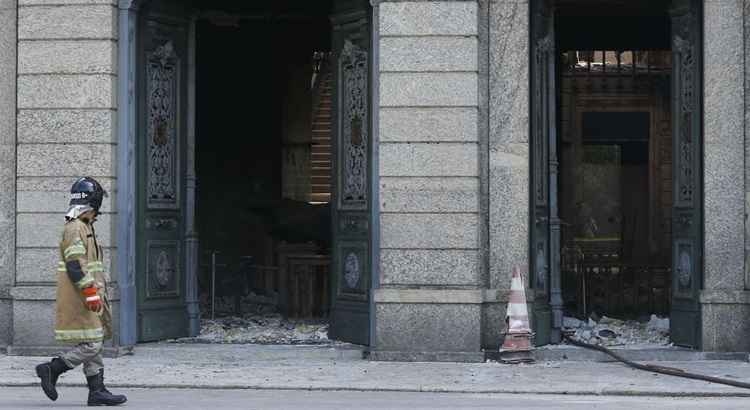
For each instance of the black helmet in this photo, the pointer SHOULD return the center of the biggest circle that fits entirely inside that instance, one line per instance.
(87, 191)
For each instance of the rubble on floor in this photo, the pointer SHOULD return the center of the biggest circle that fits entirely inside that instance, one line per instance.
(239, 305)
(614, 332)
(269, 328)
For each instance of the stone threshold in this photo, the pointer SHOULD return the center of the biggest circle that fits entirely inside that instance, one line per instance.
(655, 354)
(400, 356)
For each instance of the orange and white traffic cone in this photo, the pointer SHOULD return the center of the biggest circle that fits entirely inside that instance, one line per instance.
(517, 345)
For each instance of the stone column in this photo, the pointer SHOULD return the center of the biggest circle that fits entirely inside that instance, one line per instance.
(509, 156)
(428, 306)
(725, 302)
(66, 128)
(8, 60)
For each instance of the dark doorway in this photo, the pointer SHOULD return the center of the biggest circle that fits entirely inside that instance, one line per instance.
(613, 143)
(254, 163)
(263, 165)
(615, 188)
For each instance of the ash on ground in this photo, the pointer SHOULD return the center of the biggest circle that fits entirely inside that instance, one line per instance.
(614, 332)
(266, 329)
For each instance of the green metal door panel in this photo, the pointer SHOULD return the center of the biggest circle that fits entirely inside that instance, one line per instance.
(162, 87)
(687, 200)
(352, 164)
(542, 128)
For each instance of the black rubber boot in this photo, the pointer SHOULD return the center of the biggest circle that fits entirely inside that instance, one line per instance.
(99, 395)
(49, 372)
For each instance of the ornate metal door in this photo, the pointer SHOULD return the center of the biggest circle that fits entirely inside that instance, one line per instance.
(545, 224)
(162, 126)
(687, 140)
(352, 201)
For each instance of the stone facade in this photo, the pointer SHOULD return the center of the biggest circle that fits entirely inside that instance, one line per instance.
(486, 198)
(430, 300)
(508, 146)
(725, 299)
(502, 28)
(8, 10)
(453, 161)
(66, 127)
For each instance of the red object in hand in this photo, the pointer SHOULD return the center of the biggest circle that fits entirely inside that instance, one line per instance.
(93, 301)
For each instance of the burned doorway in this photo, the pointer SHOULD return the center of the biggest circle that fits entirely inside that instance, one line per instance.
(616, 169)
(263, 166)
(255, 113)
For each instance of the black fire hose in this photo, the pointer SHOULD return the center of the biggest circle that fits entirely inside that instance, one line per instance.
(658, 369)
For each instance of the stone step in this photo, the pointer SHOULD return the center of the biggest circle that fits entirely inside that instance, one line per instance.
(636, 354)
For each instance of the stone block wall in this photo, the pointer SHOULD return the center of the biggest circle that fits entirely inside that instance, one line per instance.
(430, 220)
(724, 299)
(508, 142)
(746, 139)
(67, 60)
(433, 216)
(453, 165)
(8, 42)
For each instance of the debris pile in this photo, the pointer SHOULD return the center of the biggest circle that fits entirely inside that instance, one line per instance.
(614, 332)
(239, 305)
(266, 329)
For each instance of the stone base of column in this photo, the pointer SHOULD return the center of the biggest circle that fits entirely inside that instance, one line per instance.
(442, 325)
(725, 317)
(396, 356)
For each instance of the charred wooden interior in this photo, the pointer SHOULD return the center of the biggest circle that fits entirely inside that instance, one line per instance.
(263, 158)
(615, 154)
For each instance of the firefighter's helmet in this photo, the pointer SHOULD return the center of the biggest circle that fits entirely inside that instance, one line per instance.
(87, 191)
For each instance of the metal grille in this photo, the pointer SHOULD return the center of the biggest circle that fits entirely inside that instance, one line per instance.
(616, 62)
(602, 283)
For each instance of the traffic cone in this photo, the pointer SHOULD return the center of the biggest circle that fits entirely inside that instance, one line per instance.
(517, 344)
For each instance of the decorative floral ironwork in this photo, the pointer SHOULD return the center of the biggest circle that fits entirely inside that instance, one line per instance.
(683, 221)
(540, 138)
(353, 224)
(162, 73)
(541, 269)
(164, 269)
(161, 223)
(351, 270)
(541, 54)
(354, 122)
(685, 49)
(684, 269)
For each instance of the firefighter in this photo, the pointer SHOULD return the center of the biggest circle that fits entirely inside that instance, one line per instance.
(83, 317)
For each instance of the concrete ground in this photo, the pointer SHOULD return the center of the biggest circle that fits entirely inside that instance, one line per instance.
(24, 398)
(325, 368)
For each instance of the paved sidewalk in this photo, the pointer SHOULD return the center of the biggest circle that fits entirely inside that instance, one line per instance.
(340, 368)
(32, 398)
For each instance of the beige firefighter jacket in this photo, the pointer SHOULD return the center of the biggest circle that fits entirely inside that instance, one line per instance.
(74, 323)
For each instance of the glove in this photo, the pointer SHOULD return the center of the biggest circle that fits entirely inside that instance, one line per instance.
(93, 300)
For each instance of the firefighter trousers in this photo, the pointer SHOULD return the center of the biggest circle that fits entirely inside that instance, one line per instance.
(88, 354)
